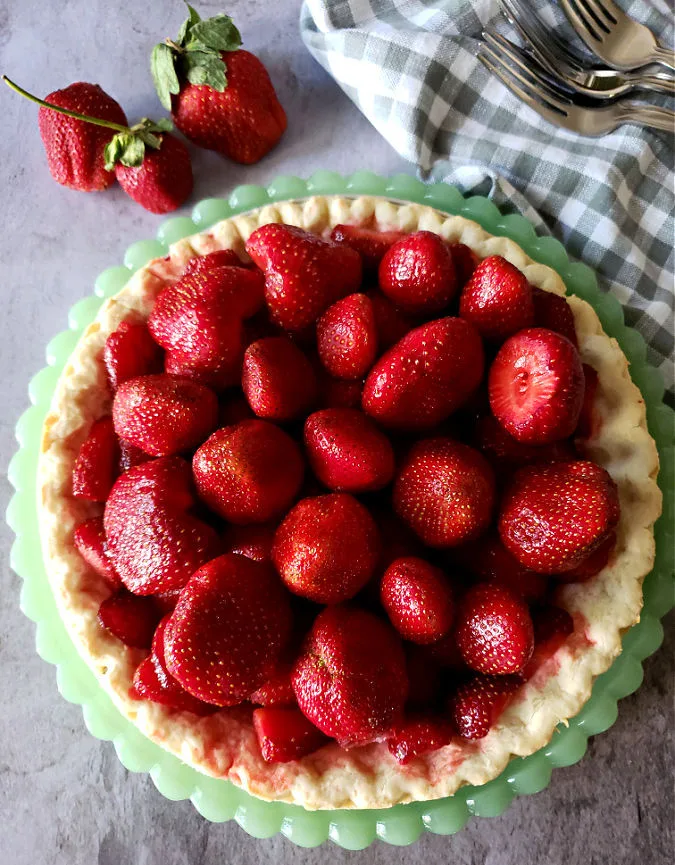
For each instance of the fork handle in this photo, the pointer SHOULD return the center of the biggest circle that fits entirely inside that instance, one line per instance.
(665, 57)
(649, 115)
(662, 83)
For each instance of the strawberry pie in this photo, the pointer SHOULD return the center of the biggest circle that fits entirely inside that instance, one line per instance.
(347, 502)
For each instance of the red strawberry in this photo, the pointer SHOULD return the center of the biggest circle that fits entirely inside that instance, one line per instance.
(212, 261)
(426, 376)
(552, 627)
(536, 386)
(554, 313)
(327, 547)
(494, 629)
(152, 681)
(248, 473)
(154, 543)
(591, 565)
(588, 419)
(253, 541)
(277, 690)
(369, 243)
(347, 452)
(218, 376)
(278, 380)
(224, 638)
(347, 337)
(554, 517)
(497, 299)
(418, 273)
(131, 618)
(97, 462)
(131, 456)
(285, 734)
(304, 274)
(391, 323)
(466, 261)
(417, 736)
(350, 679)
(338, 393)
(90, 542)
(506, 453)
(167, 601)
(130, 351)
(476, 706)
(489, 559)
(418, 599)
(445, 491)
(164, 414)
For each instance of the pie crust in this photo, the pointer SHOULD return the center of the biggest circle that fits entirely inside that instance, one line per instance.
(224, 745)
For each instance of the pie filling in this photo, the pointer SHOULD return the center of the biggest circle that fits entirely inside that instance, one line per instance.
(345, 501)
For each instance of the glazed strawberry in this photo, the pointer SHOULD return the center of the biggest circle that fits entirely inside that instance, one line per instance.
(476, 706)
(536, 386)
(368, 242)
(277, 379)
(391, 323)
(347, 452)
(466, 261)
(304, 274)
(552, 627)
(164, 414)
(327, 547)
(232, 617)
(418, 274)
(277, 690)
(154, 542)
(90, 542)
(131, 618)
(418, 599)
(554, 517)
(253, 541)
(97, 462)
(152, 681)
(494, 629)
(131, 456)
(248, 473)
(285, 734)
(554, 313)
(130, 351)
(212, 261)
(489, 560)
(592, 564)
(445, 492)
(216, 375)
(417, 736)
(588, 418)
(426, 376)
(347, 337)
(506, 453)
(350, 679)
(220, 96)
(497, 299)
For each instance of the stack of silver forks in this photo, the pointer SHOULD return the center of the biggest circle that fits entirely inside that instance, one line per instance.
(562, 86)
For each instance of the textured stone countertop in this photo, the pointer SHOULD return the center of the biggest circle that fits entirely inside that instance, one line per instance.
(64, 797)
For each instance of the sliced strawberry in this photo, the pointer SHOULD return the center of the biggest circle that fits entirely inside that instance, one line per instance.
(494, 629)
(369, 243)
(253, 541)
(304, 274)
(131, 456)
(418, 736)
(90, 542)
(130, 351)
(554, 517)
(285, 734)
(489, 560)
(96, 466)
(506, 453)
(347, 337)
(418, 599)
(476, 706)
(536, 386)
(250, 599)
(418, 273)
(131, 618)
(277, 690)
(554, 313)
(552, 627)
(497, 299)
(588, 419)
(278, 380)
(466, 261)
(391, 323)
(592, 565)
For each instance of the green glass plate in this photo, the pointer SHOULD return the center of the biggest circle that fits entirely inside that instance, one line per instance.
(219, 800)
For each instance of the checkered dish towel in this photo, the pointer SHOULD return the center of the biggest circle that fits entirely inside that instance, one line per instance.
(411, 67)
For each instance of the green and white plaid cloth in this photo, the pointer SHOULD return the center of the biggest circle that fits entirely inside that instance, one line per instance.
(411, 68)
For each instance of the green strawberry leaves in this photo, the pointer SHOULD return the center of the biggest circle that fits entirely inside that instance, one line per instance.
(128, 147)
(195, 56)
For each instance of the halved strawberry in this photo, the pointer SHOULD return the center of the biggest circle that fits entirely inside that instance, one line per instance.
(90, 542)
(476, 706)
(253, 541)
(536, 386)
(130, 351)
(497, 299)
(369, 243)
(131, 618)
(347, 337)
(277, 690)
(418, 273)
(554, 313)
(418, 599)
(417, 736)
(285, 734)
(277, 379)
(97, 463)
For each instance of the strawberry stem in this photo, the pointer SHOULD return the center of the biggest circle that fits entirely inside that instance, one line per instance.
(108, 124)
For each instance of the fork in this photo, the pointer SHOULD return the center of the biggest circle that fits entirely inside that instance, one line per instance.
(615, 37)
(552, 53)
(557, 107)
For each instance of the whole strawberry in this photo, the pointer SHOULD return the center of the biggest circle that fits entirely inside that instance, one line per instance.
(418, 599)
(497, 299)
(476, 706)
(346, 337)
(285, 734)
(90, 542)
(253, 541)
(417, 736)
(554, 312)
(220, 96)
(418, 273)
(131, 618)
(97, 463)
(130, 351)
(489, 560)
(369, 243)
(277, 379)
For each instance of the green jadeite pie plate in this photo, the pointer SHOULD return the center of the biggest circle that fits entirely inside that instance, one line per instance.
(219, 800)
